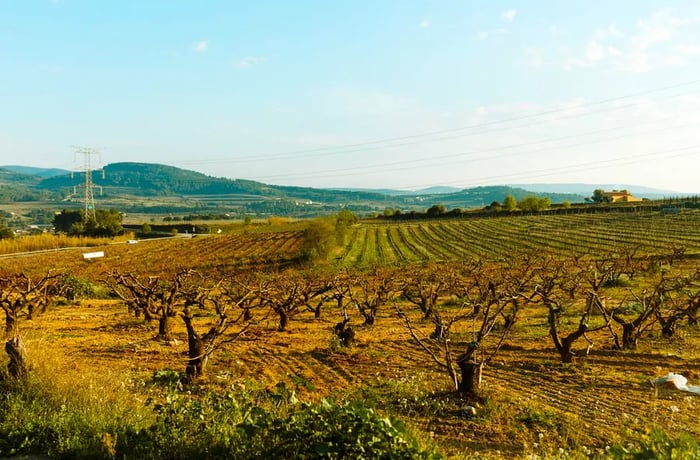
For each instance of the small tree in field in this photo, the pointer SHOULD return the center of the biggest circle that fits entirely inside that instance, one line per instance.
(534, 204)
(435, 210)
(645, 310)
(598, 195)
(154, 297)
(319, 239)
(678, 303)
(559, 284)
(221, 301)
(288, 292)
(423, 287)
(488, 294)
(145, 229)
(509, 203)
(370, 292)
(18, 295)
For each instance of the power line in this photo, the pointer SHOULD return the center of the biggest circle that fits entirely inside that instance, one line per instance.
(89, 199)
(538, 173)
(587, 166)
(329, 150)
(369, 169)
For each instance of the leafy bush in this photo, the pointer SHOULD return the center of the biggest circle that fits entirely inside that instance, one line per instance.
(168, 378)
(74, 288)
(244, 425)
(657, 444)
(350, 430)
(318, 239)
(223, 425)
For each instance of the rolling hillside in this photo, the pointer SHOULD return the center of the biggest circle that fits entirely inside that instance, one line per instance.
(17, 186)
(146, 187)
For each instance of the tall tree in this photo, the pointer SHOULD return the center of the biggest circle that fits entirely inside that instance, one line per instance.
(598, 195)
(106, 223)
(509, 203)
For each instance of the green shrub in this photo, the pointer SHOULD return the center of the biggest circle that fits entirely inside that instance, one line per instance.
(657, 444)
(266, 424)
(327, 430)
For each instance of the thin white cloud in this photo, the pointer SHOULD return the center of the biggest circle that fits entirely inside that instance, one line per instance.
(424, 24)
(610, 31)
(486, 34)
(612, 51)
(201, 46)
(664, 38)
(250, 61)
(509, 15)
(534, 57)
(594, 51)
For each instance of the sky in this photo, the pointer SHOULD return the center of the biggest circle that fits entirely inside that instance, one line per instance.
(401, 94)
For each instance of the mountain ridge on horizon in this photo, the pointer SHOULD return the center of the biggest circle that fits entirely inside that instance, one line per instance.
(577, 188)
(154, 187)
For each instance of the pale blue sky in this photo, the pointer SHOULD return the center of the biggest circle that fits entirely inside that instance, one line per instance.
(475, 92)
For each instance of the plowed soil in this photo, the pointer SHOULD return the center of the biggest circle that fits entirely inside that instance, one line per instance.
(604, 398)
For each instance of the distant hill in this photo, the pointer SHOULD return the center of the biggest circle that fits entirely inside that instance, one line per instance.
(438, 189)
(485, 195)
(587, 189)
(16, 186)
(9, 177)
(159, 180)
(151, 179)
(32, 171)
(475, 197)
(149, 187)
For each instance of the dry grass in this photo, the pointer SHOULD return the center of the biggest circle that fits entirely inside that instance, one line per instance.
(48, 241)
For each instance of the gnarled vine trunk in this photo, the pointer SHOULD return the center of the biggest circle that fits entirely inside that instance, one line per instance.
(440, 332)
(470, 370)
(10, 323)
(165, 329)
(284, 320)
(15, 349)
(196, 350)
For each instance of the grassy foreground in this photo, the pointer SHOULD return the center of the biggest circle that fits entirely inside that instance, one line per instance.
(64, 413)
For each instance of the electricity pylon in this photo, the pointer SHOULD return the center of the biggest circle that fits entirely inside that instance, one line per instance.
(89, 199)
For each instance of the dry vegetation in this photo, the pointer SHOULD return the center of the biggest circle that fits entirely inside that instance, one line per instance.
(284, 340)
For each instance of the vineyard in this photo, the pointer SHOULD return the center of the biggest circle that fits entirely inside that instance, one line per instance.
(445, 240)
(207, 253)
(489, 338)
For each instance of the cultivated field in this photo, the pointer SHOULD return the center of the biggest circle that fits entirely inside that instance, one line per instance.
(389, 243)
(530, 402)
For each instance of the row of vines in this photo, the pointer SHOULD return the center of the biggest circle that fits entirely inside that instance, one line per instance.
(445, 240)
(217, 253)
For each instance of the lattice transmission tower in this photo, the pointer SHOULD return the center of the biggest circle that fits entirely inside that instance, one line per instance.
(89, 198)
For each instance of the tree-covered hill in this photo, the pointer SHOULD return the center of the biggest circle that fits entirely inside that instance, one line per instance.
(483, 196)
(15, 186)
(130, 186)
(161, 180)
(33, 171)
